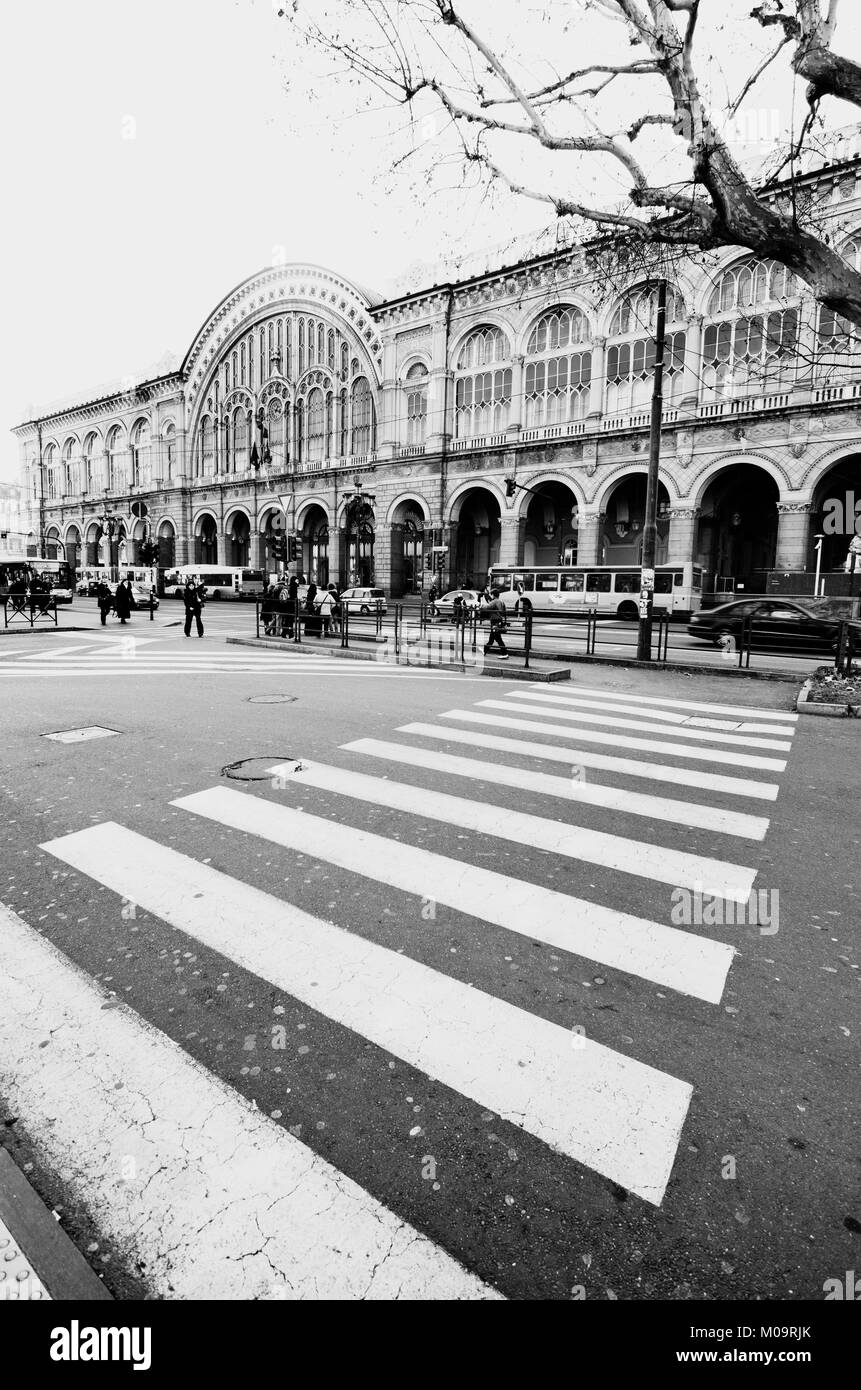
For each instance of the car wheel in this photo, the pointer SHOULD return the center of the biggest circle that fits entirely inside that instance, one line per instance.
(627, 611)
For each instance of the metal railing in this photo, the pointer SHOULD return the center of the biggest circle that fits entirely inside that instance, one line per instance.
(19, 609)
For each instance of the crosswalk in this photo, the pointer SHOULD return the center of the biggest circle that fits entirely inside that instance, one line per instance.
(135, 657)
(214, 1174)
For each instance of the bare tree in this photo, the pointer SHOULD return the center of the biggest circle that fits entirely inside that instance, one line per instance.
(509, 117)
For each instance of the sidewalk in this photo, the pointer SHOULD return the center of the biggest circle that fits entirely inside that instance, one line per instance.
(37, 1258)
(80, 619)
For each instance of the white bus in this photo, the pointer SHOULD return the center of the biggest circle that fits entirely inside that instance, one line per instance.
(611, 589)
(221, 581)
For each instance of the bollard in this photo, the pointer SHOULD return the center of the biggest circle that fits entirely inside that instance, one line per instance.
(151, 605)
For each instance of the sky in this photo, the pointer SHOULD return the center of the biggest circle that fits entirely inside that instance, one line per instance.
(154, 156)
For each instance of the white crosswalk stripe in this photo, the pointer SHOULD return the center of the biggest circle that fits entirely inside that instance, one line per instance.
(608, 1112)
(611, 721)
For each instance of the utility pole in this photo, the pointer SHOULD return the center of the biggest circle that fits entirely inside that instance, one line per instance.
(650, 524)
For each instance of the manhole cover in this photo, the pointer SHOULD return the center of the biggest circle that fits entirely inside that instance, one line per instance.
(258, 769)
(271, 699)
(80, 735)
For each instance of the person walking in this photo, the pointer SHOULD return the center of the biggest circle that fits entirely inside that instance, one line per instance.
(494, 609)
(268, 611)
(123, 600)
(432, 598)
(105, 600)
(290, 596)
(193, 598)
(519, 587)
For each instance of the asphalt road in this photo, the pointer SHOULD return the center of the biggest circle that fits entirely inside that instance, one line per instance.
(645, 1124)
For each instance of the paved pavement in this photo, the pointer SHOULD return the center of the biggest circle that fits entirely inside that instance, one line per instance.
(448, 991)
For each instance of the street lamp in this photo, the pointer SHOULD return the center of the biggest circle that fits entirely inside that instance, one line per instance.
(358, 503)
(108, 525)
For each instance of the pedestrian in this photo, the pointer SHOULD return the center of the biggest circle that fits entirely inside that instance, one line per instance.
(193, 598)
(123, 600)
(313, 623)
(494, 609)
(105, 600)
(457, 608)
(432, 598)
(290, 597)
(519, 587)
(327, 609)
(268, 610)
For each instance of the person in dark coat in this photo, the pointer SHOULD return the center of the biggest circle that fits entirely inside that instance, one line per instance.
(494, 609)
(123, 600)
(192, 596)
(105, 600)
(313, 622)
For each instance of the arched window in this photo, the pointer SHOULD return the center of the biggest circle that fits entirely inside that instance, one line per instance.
(116, 474)
(321, 344)
(558, 370)
(345, 421)
(345, 361)
(838, 340)
(91, 466)
(49, 460)
(233, 378)
(68, 481)
(168, 451)
(363, 431)
(239, 461)
(750, 344)
(482, 398)
(316, 425)
(264, 359)
(417, 402)
(330, 349)
(312, 343)
(242, 376)
(207, 446)
(140, 454)
(301, 347)
(631, 351)
(330, 421)
(276, 425)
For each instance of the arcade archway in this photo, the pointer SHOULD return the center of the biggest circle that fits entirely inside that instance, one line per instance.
(407, 548)
(476, 536)
(206, 540)
(836, 513)
(621, 538)
(238, 539)
(737, 532)
(551, 525)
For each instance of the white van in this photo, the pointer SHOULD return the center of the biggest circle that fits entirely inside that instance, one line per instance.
(220, 581)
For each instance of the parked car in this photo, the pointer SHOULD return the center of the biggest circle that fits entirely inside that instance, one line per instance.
(362, 600)
(445, 605)
(790, 624)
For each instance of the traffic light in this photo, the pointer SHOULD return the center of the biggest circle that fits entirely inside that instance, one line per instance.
(510, 486)
(294, 549)
(429, 561)
(279, 547)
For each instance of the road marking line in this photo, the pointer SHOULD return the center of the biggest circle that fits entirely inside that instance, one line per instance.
(715, 877)
(694, 704)
(210, 1173)
(622, 799)
(681, 960)
(683, 720)
(603, 1109)
(613, 722)
(647, 745)
(78, 649)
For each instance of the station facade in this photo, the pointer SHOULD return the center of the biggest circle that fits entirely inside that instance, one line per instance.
(380, 433)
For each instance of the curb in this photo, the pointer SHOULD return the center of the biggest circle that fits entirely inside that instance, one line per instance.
(44, 1248)
(500, 672)
(824, 710)
(688, 668)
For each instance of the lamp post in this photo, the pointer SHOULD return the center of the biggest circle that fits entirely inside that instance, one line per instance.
(109, 525)
(358, 501)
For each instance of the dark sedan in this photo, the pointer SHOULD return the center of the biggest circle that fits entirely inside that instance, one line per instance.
(785, 623)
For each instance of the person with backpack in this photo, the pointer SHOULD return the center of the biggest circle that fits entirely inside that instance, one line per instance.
(494, 609)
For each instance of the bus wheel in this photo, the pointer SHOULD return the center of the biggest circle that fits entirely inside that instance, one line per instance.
(627, 611)
(177, 593)
(216, 593)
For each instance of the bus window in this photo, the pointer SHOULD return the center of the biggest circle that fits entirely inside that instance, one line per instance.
(663, 583)
(528, 582)
(627, 584)
(598, 583)
(252, 576)
(571, 583)
(697, 580)
(678, 578)
(546, 583)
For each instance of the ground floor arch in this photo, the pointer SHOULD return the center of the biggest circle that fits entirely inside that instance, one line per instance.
(476, 534)
(313, 551)
(551, 522)
(357, 541)
(237, 536)
(623, 515)
(736, 541)
(835, 513)
(166, 544)
(206, 540)
(411, 539)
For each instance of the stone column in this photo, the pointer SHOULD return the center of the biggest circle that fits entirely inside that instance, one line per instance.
(596, 388)
(511, 540)
(221, 546)
(589, 536)
(683, 534)
(793, 528)
(516, 413)
(690, 390)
